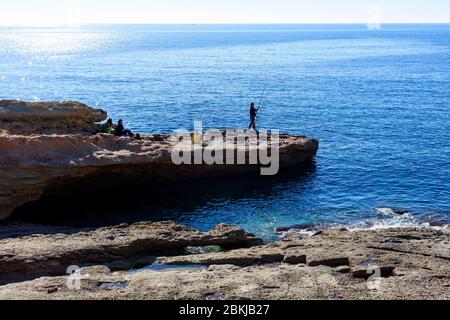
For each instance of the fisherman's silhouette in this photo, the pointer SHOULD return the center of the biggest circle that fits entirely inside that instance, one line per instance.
(253, 115)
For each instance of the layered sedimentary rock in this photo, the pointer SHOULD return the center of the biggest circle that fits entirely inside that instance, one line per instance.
(54, 253)
(47, 146)
(28, 118)
(382, 264)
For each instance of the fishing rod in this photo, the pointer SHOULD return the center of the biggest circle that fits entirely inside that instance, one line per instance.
(262, 96)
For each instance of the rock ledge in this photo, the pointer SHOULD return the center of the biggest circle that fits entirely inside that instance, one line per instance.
(48, 145)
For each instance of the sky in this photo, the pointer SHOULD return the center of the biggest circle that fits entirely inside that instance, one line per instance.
(67, 12)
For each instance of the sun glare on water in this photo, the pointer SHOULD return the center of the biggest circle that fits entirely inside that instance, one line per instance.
(51, 42)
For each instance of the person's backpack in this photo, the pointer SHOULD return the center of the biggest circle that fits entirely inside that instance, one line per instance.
(110, 130)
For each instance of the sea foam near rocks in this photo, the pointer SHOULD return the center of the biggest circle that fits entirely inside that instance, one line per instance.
(389, 218)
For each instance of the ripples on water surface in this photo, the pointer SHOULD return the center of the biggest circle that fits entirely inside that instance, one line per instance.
(378, 101)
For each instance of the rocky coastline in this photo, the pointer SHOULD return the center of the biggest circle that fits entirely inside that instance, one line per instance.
(49, 146)
(166, 261)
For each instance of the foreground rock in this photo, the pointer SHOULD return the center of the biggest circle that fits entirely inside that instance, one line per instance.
(54, 253)
(45, 147)
(410, 264)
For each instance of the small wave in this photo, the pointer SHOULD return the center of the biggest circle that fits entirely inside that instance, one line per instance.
(393, 212)
(390, 219)
(404, 221)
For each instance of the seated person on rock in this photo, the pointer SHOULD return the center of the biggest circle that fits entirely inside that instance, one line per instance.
(108, 127)
(122, 132)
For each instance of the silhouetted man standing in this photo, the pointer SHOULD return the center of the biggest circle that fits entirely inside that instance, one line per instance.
(253, 115)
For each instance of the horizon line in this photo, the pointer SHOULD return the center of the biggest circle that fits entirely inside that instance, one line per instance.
(216, 23)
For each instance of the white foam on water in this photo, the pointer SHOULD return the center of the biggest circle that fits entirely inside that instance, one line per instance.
(393, 212)
(406, 221)
(389, 219)
(392, 219)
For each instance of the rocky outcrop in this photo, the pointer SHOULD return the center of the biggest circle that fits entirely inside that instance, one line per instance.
(48, 146)
(29, 118)
(54, 253)
(382, 264)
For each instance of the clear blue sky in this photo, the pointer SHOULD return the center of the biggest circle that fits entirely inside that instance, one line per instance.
(47, 12)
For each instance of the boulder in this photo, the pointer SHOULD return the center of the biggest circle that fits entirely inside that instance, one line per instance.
(306, 226)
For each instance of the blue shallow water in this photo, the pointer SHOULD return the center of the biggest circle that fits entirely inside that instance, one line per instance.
(378, 101)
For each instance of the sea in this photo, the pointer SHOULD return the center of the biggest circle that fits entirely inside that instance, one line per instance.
(377, 100)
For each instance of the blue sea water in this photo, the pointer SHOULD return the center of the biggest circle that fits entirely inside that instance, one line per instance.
(378, 101)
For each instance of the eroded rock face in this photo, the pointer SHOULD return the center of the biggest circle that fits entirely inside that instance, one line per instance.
(45, 146)
(416, 268)
(28, 118)
(54, 253)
